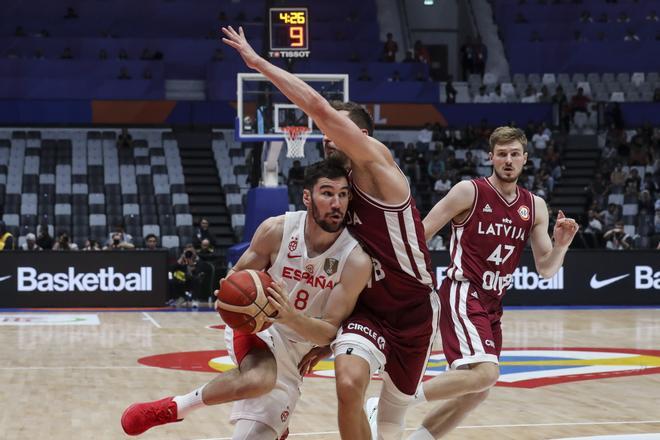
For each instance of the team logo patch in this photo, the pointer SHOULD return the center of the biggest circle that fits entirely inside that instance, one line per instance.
(309, 268)
(523, 211)
(285, 414)
(293, 244)
(519, 367)
(330, 266)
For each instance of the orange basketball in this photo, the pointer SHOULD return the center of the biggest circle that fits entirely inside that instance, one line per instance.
(243, 301)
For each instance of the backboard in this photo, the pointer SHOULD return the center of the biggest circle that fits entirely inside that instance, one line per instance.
(262, 110)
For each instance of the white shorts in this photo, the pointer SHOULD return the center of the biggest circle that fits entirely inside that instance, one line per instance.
(273, 408)
(356, 345)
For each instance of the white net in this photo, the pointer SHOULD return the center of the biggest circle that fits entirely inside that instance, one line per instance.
(295, 137)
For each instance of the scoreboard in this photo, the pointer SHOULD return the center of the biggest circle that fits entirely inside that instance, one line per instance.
(289, 33)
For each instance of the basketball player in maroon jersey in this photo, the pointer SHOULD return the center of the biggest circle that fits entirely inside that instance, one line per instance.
(491, 219)
(395, 320)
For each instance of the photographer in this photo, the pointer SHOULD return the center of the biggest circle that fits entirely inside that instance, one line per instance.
(617, 239)
(191, 278)
(117, 243)
(64, 244)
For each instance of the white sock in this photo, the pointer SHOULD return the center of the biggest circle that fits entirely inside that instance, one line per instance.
(421, 434)
(420, 397)
(189, 402)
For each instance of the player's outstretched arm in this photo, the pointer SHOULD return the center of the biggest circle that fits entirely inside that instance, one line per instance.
(364, 151)
(549, 257)
(343, 296)
(458, 200)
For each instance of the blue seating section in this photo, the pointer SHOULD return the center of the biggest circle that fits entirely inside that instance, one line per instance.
(187, 38)
(601, 46)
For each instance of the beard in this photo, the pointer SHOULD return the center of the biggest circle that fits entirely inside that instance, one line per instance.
(333, 152)
(326, 226)
(506, 179)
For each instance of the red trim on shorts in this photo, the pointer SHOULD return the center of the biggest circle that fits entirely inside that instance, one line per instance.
(244, 343)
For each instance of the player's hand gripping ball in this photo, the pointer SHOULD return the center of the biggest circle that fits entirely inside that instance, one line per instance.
(243, 301)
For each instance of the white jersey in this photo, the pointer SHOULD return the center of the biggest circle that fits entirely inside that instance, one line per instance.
(309, 280)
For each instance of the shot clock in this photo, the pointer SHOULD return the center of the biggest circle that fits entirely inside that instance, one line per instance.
(289, 33)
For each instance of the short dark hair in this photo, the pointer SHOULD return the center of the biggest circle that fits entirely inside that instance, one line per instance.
(332, 168)
(356, 113)
(150, 236)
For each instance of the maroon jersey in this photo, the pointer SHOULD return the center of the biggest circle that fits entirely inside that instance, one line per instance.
(398, 292)
(485, 249)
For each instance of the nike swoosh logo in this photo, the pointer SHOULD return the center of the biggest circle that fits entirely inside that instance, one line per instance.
(596, 284)
(5, 278)
(293, 256)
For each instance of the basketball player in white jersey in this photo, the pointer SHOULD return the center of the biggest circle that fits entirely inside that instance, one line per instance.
(320, 271)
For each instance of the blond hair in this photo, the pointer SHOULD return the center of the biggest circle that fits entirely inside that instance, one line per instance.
(505, 135)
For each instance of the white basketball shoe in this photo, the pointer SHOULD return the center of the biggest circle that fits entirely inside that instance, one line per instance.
(371, 408)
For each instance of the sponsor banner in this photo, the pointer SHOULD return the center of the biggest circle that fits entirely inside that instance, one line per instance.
(22, 319)
(83, 279)
(588, 277)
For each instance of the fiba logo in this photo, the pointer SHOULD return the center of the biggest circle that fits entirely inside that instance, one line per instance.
(523, 211)
(381, 342)
(293, 244)
(285, 414)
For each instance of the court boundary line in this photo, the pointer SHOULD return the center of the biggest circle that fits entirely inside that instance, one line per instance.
(149, 318)
(520, 425)
(70, 367)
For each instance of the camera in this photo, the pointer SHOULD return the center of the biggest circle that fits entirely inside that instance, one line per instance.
(115, 241)
(188, 254)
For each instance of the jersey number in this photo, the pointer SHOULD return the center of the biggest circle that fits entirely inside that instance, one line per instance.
(301, 300)
(496, 256)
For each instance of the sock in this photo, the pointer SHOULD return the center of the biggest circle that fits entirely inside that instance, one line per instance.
(421, 434)
(189, 402)
(420, 397)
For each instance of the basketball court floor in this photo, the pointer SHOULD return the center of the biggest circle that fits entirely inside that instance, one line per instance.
(566, 373)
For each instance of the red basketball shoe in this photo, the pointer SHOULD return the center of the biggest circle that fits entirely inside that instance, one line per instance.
(142, 416)
(285, 434)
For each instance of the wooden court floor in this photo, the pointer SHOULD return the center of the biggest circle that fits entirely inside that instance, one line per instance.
(65, 376)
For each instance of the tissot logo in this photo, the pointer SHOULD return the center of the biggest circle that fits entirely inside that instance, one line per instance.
(105, 280)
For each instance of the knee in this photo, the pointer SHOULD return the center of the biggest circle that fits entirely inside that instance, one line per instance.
(487, 375)
(350, 389)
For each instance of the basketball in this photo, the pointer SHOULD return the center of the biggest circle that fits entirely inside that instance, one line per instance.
(243, 301)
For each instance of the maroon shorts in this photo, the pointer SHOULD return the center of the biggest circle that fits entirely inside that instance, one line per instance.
(469, 324)
(405, 351)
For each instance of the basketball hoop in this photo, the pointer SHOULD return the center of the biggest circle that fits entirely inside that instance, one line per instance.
(295, 137)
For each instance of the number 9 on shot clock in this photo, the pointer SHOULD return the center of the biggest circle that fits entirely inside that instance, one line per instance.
(289, 33)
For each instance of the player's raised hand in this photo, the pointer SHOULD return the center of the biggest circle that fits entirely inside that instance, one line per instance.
(279, 298)
(565, 229)
(238, 41)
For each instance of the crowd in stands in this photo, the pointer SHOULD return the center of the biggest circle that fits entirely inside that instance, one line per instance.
(440, 157)
(623, 209)
(624, 197)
